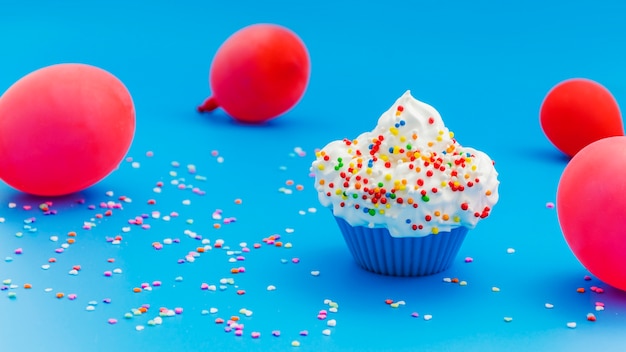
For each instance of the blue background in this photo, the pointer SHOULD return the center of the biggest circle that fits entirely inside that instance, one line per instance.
(485, 66)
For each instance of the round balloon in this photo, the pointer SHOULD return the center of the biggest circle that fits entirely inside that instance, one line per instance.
(63, 128)
(577, 112)
(591, 207)
(258, 73)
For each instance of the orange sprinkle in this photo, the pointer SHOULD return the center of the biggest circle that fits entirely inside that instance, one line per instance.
(71, 240)
(238, 201)
(27, 286)
(234, 318)
(99, 216)
(60, 295)
(143, 309)
(455, 280)
(234, 270)
(580, 290)
(389, 301)
(216, 226)
(299, 187)
(200, 249)
(488, 193)
(278, 244)
(136, 289)
(71, 234)
(289, 182)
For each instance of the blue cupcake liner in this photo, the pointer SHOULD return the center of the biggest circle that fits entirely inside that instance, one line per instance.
(375, 250)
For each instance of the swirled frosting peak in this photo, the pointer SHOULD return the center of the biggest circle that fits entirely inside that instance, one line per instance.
(409, 175)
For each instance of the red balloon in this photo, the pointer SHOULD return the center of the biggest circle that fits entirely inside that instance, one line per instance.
(63, 128)
(258, 73)
(577, 112)
(591, 207)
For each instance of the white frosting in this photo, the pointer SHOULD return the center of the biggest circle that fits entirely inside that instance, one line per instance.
(416, 180)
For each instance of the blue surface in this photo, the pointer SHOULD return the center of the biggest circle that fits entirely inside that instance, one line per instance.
(485, 67)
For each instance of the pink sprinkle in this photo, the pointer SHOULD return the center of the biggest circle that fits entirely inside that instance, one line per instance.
(587, 278)
(178, 310)
(156, 283)
(549, 205)
(108, 273)
(145, 285)
(245, 249)
(276, 333)
(149, 154)
(238, 332)
(323, 311)
(415, 315)
(599, 290)
(241, 269)
(240, 257)
(255, 335)
(59, 250)
(204, 286)
(600, 304)
(173, 214)
(145, 226)
(214, 153)
(469, 259)
(321, 316)
(304, 333)
(112, 321)
(72, 296)
(19, 251)
(27, 207)
(295, 260)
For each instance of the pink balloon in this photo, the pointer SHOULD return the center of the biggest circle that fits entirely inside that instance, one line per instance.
(63, 128)
(591, 207)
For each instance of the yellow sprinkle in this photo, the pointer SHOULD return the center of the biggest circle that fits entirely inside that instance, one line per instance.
(388, 177)
(463, 283)
(394, 305)
(443, 183)
(393, 131)
(320, 166)
(387, 205)
(435, 230)
(468, 160)
(495, 289)
(381, 211)
(368, 171)
(451, 134)
(384, 157)
(440, 132)
(295, 343)
(456, 218)
(473, 167)
(439, 139)
(349, 150)
(402, 139)
(318, 154)
(338, 191)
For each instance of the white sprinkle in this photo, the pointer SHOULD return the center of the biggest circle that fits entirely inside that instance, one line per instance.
(312, 210)
(549, 305)
(186, 202)
(90, 308)
(331, 322)
(326, 332)
(73, 272)
(315, 273)
(135, 165)
(45, 266)
(117, 271)
(212, 310)
(139, 327)
(495, 289)
(510, 250)
(571, 325)
(54, 238)
(168, 241)
(447, 279)
(158, 320)
(109, 193)
(271, 288)
(427, 316)
(289, 230)
(508, 319)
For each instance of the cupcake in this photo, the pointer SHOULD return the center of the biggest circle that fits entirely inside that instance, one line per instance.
(405, 194)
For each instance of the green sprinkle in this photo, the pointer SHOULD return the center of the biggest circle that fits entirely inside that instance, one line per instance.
(380, 184)
(408, 147)
(425, 198)
(372, 212)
